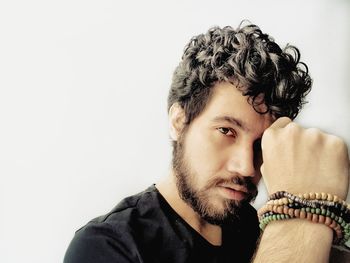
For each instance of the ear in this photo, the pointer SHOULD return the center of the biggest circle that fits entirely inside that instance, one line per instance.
(176, 120)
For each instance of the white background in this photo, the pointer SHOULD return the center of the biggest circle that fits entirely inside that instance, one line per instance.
(83, 87)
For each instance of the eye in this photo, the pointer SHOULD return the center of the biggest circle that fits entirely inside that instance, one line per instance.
(227, 131)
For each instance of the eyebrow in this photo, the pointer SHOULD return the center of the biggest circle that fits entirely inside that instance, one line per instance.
(232, 120)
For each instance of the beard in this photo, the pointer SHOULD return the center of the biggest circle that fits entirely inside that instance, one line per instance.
(199, 199)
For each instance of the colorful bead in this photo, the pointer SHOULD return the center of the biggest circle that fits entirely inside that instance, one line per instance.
(320, 208)
(321, 219)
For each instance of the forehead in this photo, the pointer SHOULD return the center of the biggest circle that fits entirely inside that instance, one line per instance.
(228, 102)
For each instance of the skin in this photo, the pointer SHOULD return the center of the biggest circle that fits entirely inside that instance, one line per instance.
(308, 161)
(216, 150)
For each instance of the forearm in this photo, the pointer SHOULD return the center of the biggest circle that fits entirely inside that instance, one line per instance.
(294, 240)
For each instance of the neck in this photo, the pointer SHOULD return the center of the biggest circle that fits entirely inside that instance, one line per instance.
(168, 189)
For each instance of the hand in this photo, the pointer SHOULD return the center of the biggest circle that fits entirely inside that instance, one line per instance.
(299, 160)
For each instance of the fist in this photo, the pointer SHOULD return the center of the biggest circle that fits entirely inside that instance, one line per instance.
(299, 160)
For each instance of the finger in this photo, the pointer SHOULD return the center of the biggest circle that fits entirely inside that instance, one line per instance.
(280, 123)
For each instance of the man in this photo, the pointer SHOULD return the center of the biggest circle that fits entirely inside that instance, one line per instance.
(232, 91)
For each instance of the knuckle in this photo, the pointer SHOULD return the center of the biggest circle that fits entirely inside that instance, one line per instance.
(293, 125)
(314, 131)
(314, 134)
(337, 143)
(293, 128)
(285, 119)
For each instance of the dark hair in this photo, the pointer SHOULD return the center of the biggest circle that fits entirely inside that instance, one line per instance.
(245, 57)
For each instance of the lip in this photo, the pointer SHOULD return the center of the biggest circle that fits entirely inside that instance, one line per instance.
(235, 187)
(233, 193)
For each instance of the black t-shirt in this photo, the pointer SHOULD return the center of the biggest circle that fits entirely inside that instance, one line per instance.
(143, 228)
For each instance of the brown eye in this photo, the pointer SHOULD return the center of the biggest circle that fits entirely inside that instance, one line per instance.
(227, 131)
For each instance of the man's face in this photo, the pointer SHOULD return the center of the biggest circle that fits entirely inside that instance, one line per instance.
(218, 157)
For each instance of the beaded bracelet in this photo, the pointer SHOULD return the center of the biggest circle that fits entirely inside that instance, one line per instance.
(316, 207)
(339, 238)
(295, 211)
(322, 216)
(312, 198)
(338, 206)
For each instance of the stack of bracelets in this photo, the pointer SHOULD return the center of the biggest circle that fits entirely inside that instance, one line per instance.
(316, 207)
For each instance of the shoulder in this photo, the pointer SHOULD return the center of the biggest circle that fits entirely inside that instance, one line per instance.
(112, 237)
(132, 208)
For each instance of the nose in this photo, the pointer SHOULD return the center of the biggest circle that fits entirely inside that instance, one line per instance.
(241, 161)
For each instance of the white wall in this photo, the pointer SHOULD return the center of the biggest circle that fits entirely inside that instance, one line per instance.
(83, 87)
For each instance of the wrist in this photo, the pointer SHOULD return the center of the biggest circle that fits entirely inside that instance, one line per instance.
(315, 233)
(295, 239)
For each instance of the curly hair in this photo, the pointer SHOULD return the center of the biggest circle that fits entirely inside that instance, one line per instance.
(245, 56)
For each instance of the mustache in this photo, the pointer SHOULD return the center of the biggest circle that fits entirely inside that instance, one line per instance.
(245, 182)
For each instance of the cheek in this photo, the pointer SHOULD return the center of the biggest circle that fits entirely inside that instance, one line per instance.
(204, 154)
